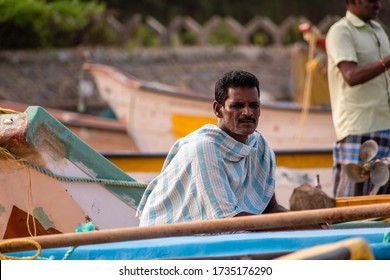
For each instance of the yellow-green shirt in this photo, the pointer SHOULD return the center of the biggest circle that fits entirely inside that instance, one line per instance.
(365, 107)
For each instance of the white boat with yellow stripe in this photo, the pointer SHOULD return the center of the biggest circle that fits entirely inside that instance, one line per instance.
(156, 114)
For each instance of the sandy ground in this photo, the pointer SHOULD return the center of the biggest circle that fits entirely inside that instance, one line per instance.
(287, 179)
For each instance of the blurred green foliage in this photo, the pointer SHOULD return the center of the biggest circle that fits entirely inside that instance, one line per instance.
(143, 37)
(101, 33)
(222, 35)
(66, 23)
(241, 10)
(44, 23)
(186, 38)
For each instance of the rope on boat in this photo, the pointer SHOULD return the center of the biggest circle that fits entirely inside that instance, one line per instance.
(9, 156)
(21, 241)
(133, 184)
(89, 226)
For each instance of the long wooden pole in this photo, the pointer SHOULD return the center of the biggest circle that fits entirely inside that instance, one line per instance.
(256, 222)
(312, 39)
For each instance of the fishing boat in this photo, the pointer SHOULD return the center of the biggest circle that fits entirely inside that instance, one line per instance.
(52, 181)
(156, 114)
(109, 137)
(196, 240)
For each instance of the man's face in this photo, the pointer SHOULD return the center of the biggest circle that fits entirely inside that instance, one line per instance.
(240, 114)
(368, 9)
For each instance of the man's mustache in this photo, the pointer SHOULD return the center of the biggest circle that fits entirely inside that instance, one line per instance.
(248, 119)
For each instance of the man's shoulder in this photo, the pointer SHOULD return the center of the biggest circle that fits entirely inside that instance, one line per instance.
(204, 136)
(339, 31)
(342, 23)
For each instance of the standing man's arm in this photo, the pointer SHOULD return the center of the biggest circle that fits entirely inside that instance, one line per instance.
(355, 74)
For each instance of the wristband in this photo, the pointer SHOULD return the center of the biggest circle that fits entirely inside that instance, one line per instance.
(383, 64)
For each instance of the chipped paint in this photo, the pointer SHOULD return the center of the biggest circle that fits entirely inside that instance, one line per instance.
(128, 199)
(41, 216)
(13, 135)
(2, 209)
(69, 156)
(86, 169)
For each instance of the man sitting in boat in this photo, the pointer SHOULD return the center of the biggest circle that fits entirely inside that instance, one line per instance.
(218, 171)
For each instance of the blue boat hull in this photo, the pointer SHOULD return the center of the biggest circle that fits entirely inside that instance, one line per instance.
(260, 245)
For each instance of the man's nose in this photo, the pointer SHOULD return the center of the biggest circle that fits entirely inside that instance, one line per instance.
(248, 111)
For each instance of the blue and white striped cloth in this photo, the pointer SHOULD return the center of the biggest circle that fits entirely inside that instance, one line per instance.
(209, 175)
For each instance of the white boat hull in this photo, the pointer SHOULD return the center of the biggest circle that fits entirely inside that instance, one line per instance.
(156, 115)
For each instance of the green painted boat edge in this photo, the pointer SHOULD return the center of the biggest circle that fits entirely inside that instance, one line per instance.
(77, 150)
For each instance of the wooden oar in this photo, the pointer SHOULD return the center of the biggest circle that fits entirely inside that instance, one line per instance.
(256, 222)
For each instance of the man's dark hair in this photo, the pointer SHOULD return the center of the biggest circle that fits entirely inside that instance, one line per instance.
(234, 79)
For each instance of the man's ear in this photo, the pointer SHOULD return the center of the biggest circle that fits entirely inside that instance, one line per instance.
(217, 109)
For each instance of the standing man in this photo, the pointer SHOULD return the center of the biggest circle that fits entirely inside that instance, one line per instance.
(218, 171)
(359, 83)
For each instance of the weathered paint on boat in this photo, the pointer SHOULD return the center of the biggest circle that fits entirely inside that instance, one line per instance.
(156, 114)
(43, 142)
